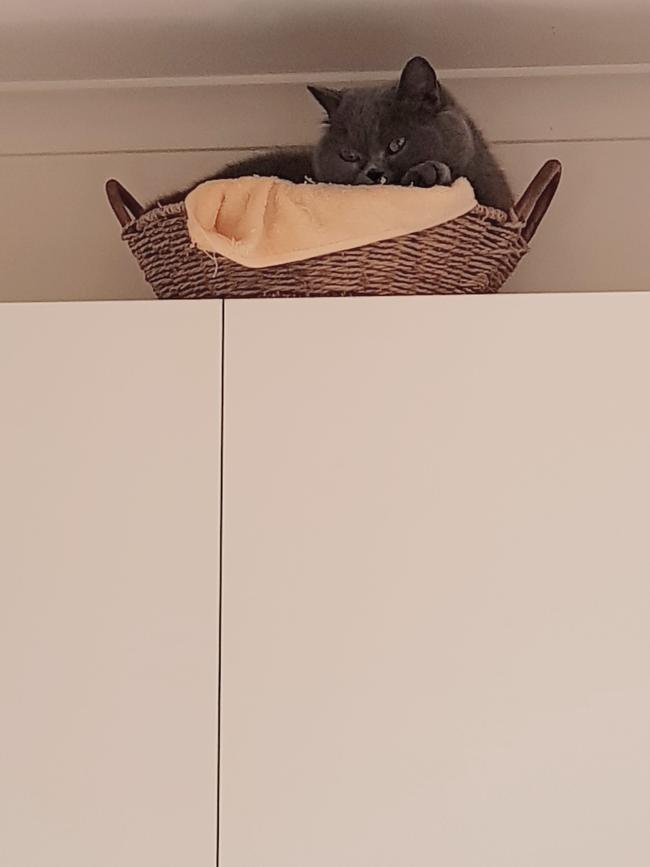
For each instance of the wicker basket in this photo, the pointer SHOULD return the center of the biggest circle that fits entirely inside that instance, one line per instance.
(475, 253)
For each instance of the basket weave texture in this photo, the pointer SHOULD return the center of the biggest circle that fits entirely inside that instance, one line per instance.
(473, 254)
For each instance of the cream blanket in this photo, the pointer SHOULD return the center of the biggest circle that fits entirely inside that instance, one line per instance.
(259, 222)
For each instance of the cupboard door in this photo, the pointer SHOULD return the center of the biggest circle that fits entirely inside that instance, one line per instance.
(109, 567)
(436, 603)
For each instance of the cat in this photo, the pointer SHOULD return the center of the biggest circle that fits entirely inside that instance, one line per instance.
(412, 133)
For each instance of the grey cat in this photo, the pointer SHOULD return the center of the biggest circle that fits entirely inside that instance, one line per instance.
(412, 133)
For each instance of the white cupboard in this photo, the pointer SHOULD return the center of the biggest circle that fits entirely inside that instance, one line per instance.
(436, 594)
(109, 563)
(433, 577)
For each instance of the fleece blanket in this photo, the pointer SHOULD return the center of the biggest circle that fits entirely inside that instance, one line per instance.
(258, 222)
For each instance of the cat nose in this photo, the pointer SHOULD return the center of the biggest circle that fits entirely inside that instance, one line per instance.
(375, 176)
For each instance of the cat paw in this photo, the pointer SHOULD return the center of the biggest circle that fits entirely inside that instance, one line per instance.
(428, 174)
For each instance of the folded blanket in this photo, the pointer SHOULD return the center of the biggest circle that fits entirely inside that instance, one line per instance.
(258, 222)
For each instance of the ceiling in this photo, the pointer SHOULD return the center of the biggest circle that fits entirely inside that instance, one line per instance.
(82, 39)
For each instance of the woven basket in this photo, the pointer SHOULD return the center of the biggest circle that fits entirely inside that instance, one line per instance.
(474, 253)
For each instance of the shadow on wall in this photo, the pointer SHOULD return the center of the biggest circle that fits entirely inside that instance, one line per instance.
(249, 38)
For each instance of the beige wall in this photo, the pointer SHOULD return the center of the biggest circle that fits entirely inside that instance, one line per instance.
(62, 39)
(59, 144)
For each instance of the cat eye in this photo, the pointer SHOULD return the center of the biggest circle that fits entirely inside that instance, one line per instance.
(396, 145)
(349, 156)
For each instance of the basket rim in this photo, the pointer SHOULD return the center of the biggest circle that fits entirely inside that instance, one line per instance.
(502, 220)
(506, 219)
(526, 213)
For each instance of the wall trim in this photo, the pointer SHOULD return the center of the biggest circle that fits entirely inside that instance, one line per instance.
(317, 78)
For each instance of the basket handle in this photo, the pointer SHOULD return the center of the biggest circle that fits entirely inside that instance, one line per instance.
(534, 203)
(125, 206)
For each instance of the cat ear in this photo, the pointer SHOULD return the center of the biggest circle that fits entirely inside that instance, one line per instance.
(330, 99)
(419, 82)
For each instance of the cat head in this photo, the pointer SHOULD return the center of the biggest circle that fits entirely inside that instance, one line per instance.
(375, 135)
